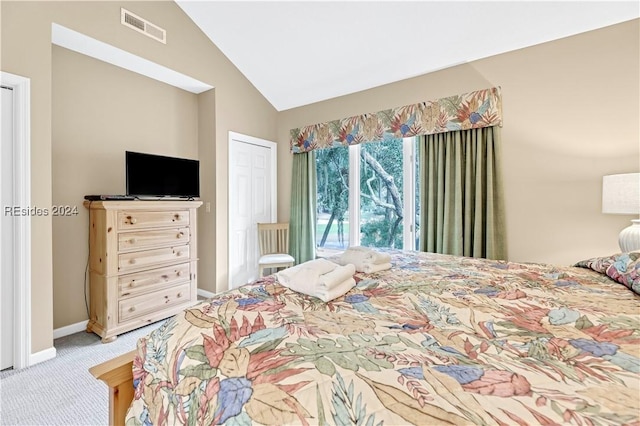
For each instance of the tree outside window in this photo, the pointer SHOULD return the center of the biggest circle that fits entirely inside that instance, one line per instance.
(378, 197)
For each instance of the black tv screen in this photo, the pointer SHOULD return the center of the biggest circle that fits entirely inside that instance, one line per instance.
(150, 175)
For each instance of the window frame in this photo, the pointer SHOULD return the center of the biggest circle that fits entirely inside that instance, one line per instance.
(408, 187)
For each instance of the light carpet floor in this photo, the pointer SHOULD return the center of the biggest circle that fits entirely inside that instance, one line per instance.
(61, 391)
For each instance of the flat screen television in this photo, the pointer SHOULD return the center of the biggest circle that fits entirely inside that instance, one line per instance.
(150, 175)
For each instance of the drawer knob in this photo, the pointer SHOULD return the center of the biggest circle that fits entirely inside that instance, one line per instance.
(179, 253)
(179, 294)
(132, 220)
(177, 217)
(132, 241)
(180, 234)
(131, 309)
(132, 261)
(179, 273)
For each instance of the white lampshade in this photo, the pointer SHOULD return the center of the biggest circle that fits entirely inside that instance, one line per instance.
(621, 195)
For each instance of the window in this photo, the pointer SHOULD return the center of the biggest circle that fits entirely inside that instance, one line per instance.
(332, 173)
(367, 195)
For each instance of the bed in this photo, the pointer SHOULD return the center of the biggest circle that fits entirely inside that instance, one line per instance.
(435, 340)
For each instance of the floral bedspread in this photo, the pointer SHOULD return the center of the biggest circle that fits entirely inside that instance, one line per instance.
(435, 340)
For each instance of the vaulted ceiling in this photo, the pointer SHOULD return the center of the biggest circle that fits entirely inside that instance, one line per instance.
(300, 52)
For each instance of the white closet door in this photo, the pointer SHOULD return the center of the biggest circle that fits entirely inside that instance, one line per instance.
(6, 230)
(250, 202)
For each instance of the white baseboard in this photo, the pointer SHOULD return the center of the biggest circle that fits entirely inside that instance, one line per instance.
(42, 356)
(70, 329)
(82, 325)
(206, 294)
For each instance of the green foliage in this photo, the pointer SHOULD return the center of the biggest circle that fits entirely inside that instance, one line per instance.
(381, 177)
(332, 174)
(332, 171)
(375, 233)
(389, 155)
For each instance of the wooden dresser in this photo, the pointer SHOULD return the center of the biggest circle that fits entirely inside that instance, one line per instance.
(142, 263)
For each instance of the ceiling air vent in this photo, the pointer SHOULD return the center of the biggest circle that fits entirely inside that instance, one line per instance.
(143, 26)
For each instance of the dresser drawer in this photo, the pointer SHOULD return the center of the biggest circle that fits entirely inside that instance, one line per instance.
(148, 303)
(143, 282)
(140, 259)
(151, 219)
(157, 237)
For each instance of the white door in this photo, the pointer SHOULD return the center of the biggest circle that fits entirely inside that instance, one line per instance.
(6, 230)
(251, 200)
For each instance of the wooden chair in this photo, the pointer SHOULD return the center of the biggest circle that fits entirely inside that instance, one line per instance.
(273, 239)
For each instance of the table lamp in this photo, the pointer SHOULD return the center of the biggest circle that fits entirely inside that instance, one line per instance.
(621, 195)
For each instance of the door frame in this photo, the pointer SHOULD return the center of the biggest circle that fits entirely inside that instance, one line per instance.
(22, 227)
(273, 149)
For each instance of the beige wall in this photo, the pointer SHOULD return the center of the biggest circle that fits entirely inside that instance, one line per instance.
(571, 115)
(99, 111)
(234, 105)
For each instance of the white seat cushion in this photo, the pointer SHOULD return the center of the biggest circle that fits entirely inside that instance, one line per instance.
(275, 258)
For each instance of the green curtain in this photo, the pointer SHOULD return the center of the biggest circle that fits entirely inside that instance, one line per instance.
(461, 196)
(302, 225)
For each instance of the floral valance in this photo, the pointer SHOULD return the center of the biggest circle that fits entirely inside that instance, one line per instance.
(482, 108)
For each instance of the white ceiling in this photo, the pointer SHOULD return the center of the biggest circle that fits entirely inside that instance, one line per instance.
(300, 52)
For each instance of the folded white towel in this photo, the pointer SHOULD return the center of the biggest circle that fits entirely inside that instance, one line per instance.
(363, 258)
(337, 291)
(376, 257)
(319, 278)
(370, 268)
(335, 277)
(353, 256)
(359, 248)
(305, 274)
